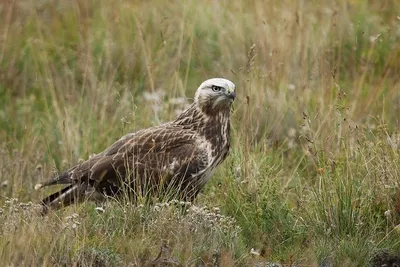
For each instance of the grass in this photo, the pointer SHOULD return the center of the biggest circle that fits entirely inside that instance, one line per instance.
(313, 175)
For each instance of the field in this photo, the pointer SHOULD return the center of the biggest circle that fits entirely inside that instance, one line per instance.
(313, 175)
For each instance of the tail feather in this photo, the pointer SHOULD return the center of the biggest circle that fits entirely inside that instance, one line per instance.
(61, 179)
(71, 194)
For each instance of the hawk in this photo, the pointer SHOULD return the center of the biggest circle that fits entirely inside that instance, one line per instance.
(174, 159)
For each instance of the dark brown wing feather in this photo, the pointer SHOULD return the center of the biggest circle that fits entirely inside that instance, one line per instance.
(155, 149)
(164, 155)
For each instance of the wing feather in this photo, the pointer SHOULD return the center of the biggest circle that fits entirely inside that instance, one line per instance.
(145, 154)
(154, 156)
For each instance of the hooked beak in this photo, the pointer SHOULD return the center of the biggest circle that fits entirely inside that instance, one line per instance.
(231, 94)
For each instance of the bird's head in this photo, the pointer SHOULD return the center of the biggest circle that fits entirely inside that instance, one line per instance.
(214, 95)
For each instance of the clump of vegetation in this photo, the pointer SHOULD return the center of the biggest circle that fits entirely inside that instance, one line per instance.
(313, 175)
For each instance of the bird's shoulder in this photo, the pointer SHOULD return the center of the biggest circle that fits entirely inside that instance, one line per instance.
(152, 146)
(165, 138)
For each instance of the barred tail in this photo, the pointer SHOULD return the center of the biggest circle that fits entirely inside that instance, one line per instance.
(71, 194)
(61, 179)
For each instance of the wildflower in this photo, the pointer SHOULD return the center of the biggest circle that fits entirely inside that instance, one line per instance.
(388, 214)
(100, 209)
(174, 202)
(237, 172)
(292, 132)
(178, 101)
(4, 183)
(71, 221)
(216, 210)
(166, 204)
(154, 97)
(373, 39)
(254, 252)
(157, 208)
(184, 203)
(25, 206)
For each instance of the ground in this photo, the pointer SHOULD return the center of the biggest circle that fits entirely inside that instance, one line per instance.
(313, 175)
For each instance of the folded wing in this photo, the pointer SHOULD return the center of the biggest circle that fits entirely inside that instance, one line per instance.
(164, 157)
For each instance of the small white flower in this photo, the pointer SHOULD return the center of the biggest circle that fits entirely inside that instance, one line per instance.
(216, 210)
(237, 171)
(292, 132)
(153, 96)
(388, 214)
(254, 252)
(178, 101)
(157, 208)
(100, 209)
(373, 39)
(183, 203)
(291, 144)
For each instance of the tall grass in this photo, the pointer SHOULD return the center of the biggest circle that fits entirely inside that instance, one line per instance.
(314, 170)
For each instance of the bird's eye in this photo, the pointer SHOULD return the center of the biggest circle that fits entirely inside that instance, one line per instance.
(216, 88)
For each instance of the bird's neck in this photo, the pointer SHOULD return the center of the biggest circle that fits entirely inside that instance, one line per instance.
(214, 126)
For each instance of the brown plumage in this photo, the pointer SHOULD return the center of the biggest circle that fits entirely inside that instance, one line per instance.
(174, 159)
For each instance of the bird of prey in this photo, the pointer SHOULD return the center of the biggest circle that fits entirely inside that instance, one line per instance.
(174, 159)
